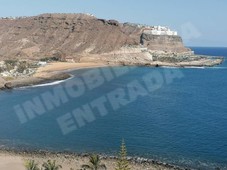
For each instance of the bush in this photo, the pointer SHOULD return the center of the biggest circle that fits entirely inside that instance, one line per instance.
(49, 59)
(31, 165)
(1, 70)
(122, 163)
(10, 64)
(22, 66)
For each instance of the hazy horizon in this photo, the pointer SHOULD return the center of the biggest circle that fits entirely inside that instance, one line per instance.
(200, 24)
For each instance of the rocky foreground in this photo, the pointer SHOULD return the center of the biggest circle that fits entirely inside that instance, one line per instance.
(15, 160)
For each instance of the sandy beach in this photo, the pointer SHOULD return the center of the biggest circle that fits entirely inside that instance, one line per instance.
(49, 73)
(57, 67)
(16, 160)
(56, 71)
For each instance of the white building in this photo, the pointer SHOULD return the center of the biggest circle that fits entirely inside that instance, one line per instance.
(159, 30)
(42, 63)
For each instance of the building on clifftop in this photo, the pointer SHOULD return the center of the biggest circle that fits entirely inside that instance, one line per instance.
(159, 30)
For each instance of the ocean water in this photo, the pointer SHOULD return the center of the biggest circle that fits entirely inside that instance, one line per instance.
(173, 115)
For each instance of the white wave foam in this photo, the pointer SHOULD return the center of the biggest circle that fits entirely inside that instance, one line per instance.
(47, 84)
(184, 67)
(221, 68)
(195, 67)
(169, 67)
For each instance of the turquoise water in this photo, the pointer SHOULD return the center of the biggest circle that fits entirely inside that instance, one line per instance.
(183, 121)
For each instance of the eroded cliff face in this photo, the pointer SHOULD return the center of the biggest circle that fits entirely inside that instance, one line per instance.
(163, 42)
(154, 42)
(73, 35)
(59, 34)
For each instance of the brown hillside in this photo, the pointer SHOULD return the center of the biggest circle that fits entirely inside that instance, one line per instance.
(68, 35)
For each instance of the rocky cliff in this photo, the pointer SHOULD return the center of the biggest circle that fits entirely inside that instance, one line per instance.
(74, 35)
(154, 42)
(164, 42)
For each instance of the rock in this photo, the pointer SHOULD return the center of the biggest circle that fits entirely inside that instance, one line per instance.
(8, 85)
(103, 21)
(2, 83)
(2, 86)
(163, 43)
(113, 22)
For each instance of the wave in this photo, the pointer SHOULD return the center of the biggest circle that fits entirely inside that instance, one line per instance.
(171, 67)
(194, 67)
(47, 84)
(221, 68)
(184, 67)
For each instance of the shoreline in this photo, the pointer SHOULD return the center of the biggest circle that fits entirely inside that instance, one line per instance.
(49, 74)
(58, 71)
(69, 160)
(41, 155)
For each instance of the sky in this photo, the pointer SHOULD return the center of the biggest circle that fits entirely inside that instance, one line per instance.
(199, 22)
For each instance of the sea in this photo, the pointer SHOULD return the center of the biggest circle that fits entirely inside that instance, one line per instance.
(173, 115)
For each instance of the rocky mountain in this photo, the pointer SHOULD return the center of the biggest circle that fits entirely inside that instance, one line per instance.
(74, 35)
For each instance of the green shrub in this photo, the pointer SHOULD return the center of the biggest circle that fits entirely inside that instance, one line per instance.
(22, 66)
(94, 163)
(2, 69)
(122, 163)
(31, 165)
(51, 165)
(10, 64)
(49, 59)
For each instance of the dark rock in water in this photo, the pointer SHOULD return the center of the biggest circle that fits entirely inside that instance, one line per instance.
(2, 86)
(8, 85)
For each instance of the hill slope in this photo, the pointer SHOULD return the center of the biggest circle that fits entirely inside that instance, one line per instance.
(73, 35)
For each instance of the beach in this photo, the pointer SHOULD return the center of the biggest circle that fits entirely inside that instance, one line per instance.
(56, 71)
(51, 72)
(10, 160)
(57, 67)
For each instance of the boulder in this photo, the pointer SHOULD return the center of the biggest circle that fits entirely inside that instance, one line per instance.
(2, 83)
(8, 85)
(113, 22)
